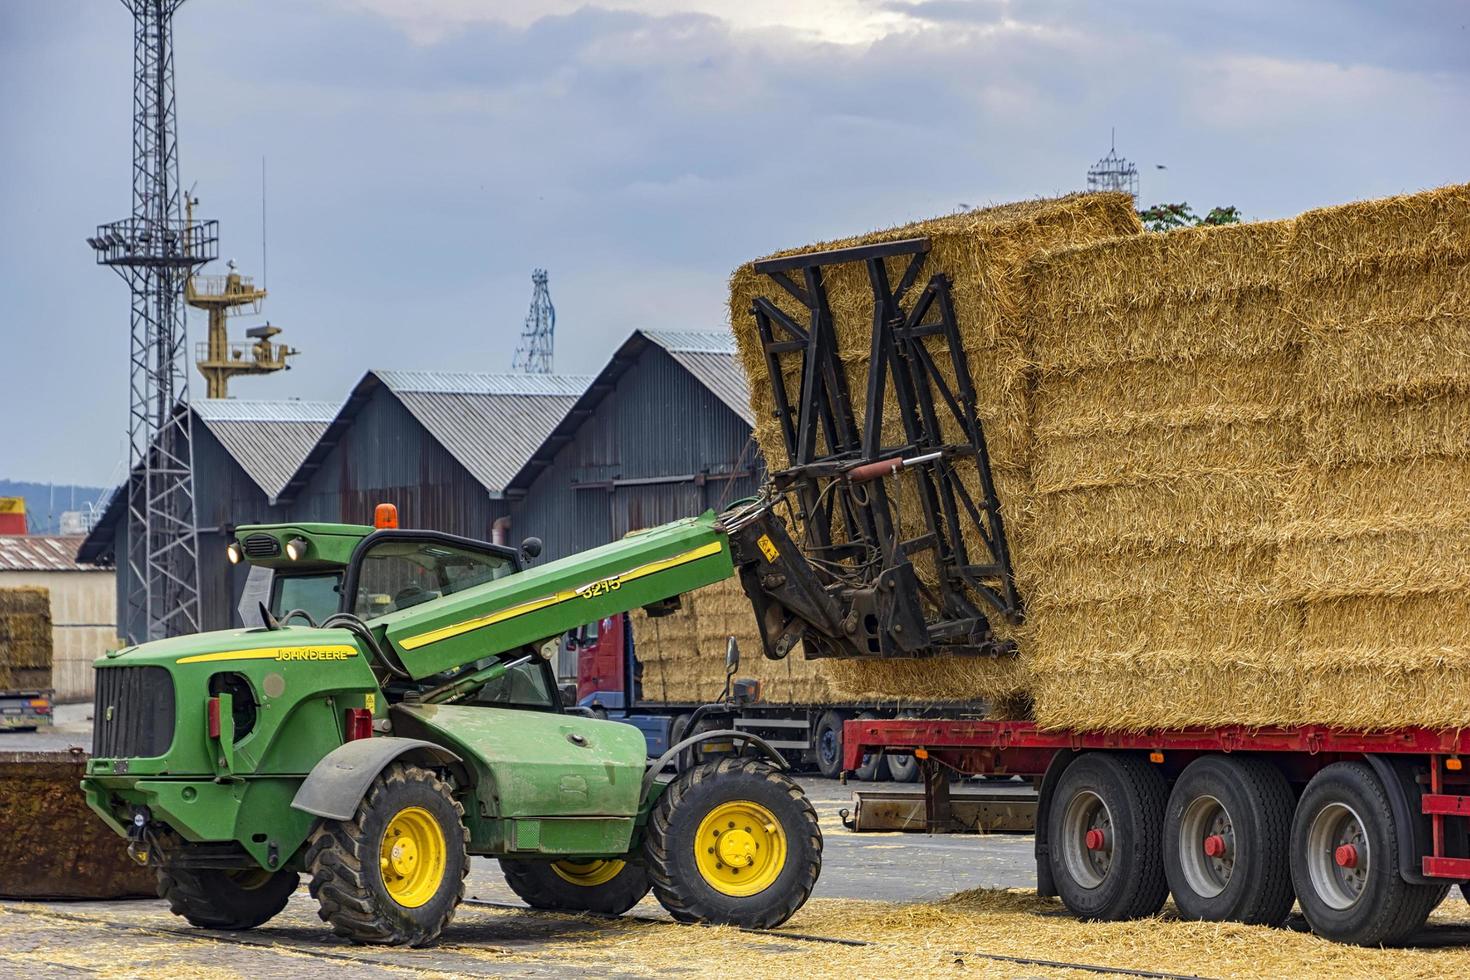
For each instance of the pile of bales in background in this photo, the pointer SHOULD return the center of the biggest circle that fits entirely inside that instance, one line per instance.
(25, 639)
(1231, 460)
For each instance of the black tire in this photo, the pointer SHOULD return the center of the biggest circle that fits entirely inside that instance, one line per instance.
(674, 850)
(213, 899)
(608, 887)
(677, 728)
(1243, 808)
(1122, 797)
(1369, 903)
(348, 880)
(827, 744)
(873, 768)
(903, 768)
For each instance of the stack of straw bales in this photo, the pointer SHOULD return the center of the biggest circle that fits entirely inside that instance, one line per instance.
(984, 253)
(1231, 460)
(1165, 422)
(25, 638)
(1375, 548)
(683, 654)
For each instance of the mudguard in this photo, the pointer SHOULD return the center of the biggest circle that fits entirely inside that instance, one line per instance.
(339, 781)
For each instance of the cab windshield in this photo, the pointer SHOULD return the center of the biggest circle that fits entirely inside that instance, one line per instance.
(319, 595)
(395, 575)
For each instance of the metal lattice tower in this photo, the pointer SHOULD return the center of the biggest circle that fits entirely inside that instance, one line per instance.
(533, 354)
(1113, 173)
(155, 251)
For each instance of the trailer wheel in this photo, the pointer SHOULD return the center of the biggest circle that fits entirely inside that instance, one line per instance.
(1225, 841)
(828, 744)
(394, 874)
(1345, 861)
(874, 765)
(609, 887)
(903, 768)
(733, 842)
(213, 899)
(1105, 825)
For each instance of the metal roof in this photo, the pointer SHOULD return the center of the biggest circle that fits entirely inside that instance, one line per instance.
(42, 553)
(490, 423)
(708, 355)
(269, 439)
(472, 383)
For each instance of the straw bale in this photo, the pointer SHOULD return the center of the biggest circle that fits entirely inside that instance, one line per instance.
(1344, 501)
(1238, 570)
(1347, 240)
(1168, 454)
(1191, 511)
(25, 629)
(1122, 398)
(1393, 563)
(1384, 430)
(1062, 635)
(1387, 626)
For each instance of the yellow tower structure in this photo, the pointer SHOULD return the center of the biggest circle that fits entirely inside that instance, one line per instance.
(219, 359)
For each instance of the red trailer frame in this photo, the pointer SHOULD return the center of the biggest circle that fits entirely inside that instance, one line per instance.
(980, 747)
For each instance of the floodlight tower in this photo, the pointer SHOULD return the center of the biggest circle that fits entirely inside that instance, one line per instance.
(1113, 173)
(155, 251)
(533, 354)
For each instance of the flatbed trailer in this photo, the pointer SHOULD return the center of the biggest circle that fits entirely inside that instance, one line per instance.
(1366, 830)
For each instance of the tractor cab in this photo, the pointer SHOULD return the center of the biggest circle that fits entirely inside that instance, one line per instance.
(315, 570)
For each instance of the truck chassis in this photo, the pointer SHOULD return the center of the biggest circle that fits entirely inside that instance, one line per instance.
(1366, 829)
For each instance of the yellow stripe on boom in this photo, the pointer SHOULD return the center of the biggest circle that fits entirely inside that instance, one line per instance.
(340, 651)
(479, 622)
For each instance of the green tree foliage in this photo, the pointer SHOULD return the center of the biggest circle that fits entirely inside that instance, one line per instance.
(1163, 217)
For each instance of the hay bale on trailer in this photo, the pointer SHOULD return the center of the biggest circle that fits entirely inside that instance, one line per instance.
(983, 253)
(25, 638)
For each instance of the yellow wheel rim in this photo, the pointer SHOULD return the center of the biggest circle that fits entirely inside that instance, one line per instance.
(587, 873)
(412, 856)
(740, 848)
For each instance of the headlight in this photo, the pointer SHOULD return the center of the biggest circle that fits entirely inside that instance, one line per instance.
(232, 552)
(296, 549)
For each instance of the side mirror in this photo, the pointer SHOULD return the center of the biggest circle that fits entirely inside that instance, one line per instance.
(531, 548)
(732, 656)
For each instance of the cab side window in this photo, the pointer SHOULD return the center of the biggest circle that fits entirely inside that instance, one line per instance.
(398, 575)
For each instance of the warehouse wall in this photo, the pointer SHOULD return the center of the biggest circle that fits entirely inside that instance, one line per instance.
(386, 456)
(83, 618)
(659, 421)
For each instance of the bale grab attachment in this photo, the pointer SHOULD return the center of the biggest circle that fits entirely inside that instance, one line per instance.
(902, 549)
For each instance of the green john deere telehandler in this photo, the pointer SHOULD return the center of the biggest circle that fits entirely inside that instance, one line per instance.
(394, 711)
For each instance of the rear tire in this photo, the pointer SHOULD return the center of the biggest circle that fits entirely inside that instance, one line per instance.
(394, 874)
(606, 887)
(903, 768)
(213, 899)
(1243, 808)
(733, 842)
(827, 744)
(1115, 802)
(1355, 896)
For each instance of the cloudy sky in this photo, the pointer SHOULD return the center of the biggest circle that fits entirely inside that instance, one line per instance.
(424, 155)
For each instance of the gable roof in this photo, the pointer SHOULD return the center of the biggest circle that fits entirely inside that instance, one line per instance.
(269, 439)
(711, 357)
(489, 423)
(41, 553)
(708, 355)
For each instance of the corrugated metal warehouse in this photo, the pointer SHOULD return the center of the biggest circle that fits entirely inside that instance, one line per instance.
(83, 605)
(442, 446)
(244, 452)
(663, 432)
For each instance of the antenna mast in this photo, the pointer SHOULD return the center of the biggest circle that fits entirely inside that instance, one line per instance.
(155, 251)
(1113, 173)
(533, 354)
